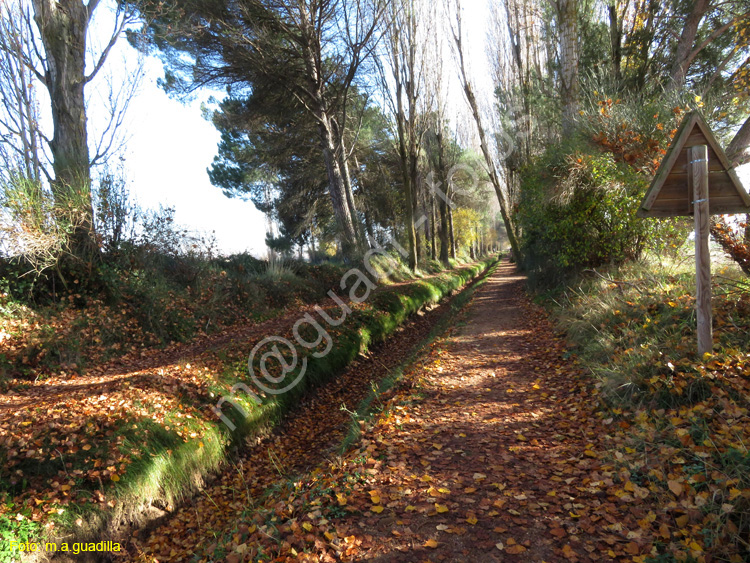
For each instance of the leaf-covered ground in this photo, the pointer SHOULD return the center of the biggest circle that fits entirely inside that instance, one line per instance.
(86, 456)
(491, 449)
(495, 446)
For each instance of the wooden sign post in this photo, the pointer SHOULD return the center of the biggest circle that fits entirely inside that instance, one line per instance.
(695, 178)
(698, 176)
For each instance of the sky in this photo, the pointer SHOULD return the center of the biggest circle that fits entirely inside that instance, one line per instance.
(170, 147)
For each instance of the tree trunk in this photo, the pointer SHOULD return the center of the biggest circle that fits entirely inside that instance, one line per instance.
(615, 37)
(361, 240)
(442, 203)
(330, 139)
(336, 186)
(369, 229)
(452, 233)
(411, 234)
(738, 150)
(416, 206)
(682, 57)
(433, 227)
(738, 153)
(567, 19)
(62, 28)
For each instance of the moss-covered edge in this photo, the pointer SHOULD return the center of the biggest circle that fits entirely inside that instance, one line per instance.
(369, 407)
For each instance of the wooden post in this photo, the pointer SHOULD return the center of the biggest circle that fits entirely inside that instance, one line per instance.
(698, 177)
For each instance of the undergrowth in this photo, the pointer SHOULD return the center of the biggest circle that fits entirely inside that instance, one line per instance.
(680, 421)
(139, 299)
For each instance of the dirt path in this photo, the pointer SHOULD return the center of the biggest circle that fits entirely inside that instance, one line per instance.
(499, 461)
(307, 437)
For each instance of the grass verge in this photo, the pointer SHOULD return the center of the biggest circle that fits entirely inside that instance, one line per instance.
(679, 422)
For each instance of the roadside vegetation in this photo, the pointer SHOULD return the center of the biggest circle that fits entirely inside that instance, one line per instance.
(679, 421)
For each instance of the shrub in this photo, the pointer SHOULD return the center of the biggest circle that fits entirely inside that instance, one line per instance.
(578, 210)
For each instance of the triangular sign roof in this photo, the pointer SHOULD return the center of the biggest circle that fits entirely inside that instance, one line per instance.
(670, 194)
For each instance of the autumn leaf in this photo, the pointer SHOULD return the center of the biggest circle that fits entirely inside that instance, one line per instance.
(676, 487)
(568, 551)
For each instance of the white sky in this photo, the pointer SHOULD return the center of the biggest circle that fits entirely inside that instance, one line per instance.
(171, 146)
(169, 150)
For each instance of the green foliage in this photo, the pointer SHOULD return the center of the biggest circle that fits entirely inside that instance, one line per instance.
(578, 210)
(116, 214)
(39, 227)
(20, 529)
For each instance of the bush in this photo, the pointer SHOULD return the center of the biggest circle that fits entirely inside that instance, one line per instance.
(578, 210)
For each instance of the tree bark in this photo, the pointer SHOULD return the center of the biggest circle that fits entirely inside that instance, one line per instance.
(336, 185)
(433, 226)
(442, 204)
(615, 37)
(738, 150)
(567, 19)
(682, 58)
(361, 239)
(452, 233)
(62, 28)
(411, 233)
(414, 182)
(738, 153)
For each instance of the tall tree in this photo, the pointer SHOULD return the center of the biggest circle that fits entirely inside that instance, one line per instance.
(403, 86)
(58, 60)
(313, 48)
(468, 89)
(269, 152)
